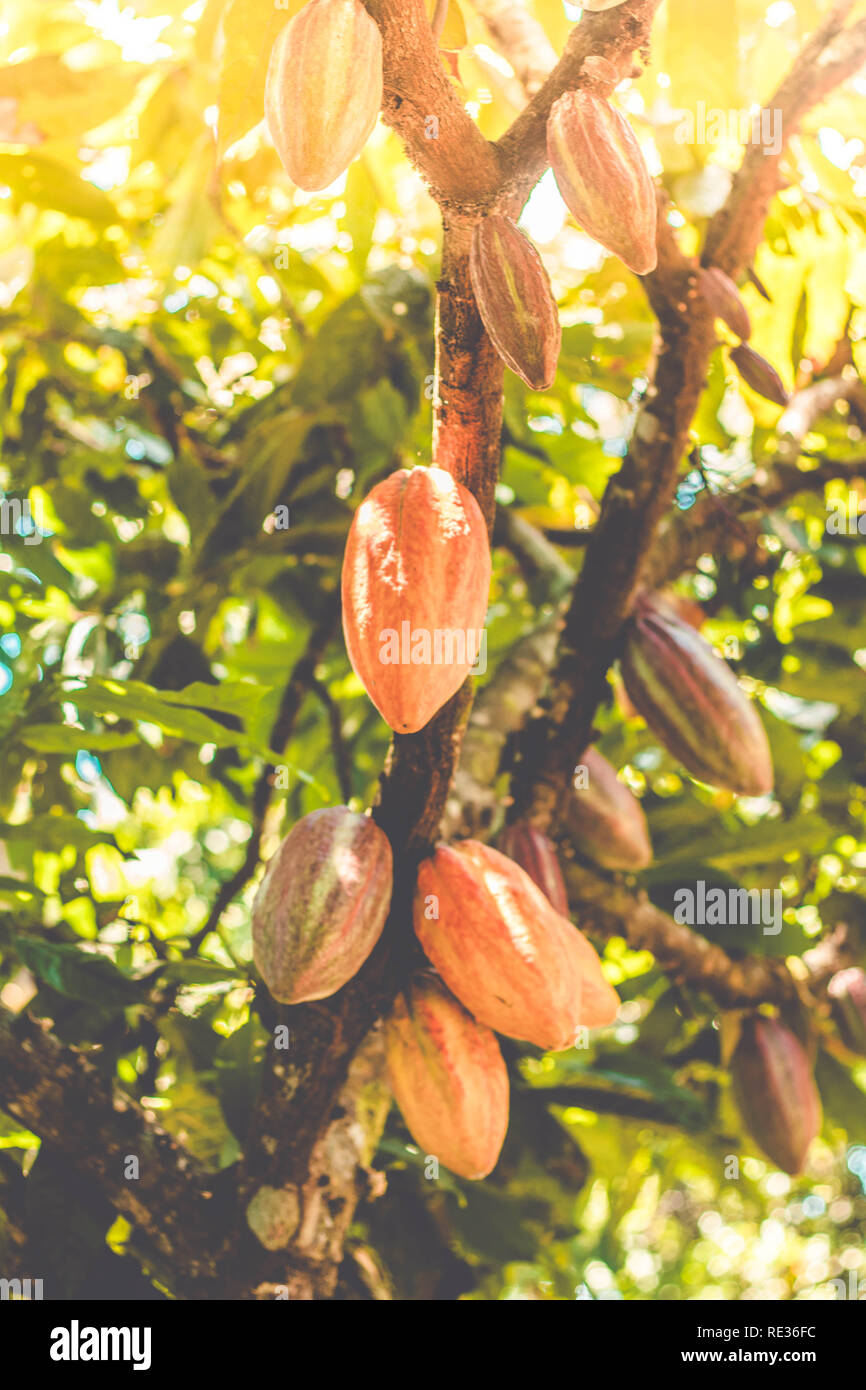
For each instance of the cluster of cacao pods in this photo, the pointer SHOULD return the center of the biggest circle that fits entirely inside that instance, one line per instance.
(506, 959)
(775, 1091)
(324, 90)
(723, 297)
(691, 700)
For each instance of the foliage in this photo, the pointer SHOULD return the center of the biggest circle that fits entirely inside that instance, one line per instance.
(202, 372)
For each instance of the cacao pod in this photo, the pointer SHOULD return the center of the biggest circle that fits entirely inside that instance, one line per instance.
(321, 905)
(515, 300)
(775, 1091)
(847, 994)
(448, 1078)
(324, 90)
(595, 6)
(416, 576)
(690, 699)
(606, 821)
(536, 855)
(603, 178)
(723, 297)
(758, 373)
(500, 946)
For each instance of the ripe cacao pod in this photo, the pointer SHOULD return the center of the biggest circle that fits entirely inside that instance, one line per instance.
(500, 946)
(416, 577)
(603, 178)
(775, 1091)
(448, 1078)
(324, 90)
(723, 297)
(321, 905)
(606, 821)
(690, 699)
(536, 855)
(515, 300)
(847, 994)
(758, 373)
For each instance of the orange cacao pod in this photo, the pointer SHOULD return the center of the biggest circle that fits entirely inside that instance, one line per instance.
(723, 297)
(536, 855)
(321, 905)
(416, 576)
(847, 994)
(775, 1091)
(324, 90)
(448, 1078)
(606, 821)
(760, 374)
(515, 300)
(603, 178)
(506, 953)
(690, 699)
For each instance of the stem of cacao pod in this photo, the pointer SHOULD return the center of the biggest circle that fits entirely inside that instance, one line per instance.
(437, 23)
(467, 402)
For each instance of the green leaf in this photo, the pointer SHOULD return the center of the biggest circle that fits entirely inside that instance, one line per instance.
(77, 973)
(48, 184)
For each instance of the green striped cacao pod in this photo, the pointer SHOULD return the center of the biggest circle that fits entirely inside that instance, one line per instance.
(603, 178)
(504, 951)
(536, 855)
(847, 994)
(775, 1091)
(416, 578)
(690, 699)
(515, 300)
(448, 1078)
(324, 90)
(321, 905)
(606, 821)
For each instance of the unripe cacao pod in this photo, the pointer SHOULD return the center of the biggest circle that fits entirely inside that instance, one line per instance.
(536, 855)
(603, 178)
(606, 821)
(324, 90)
(758, 373)
(416, 577)
(515, 300)
(321, 905)
(847, 994)
(775, 1091)
(723, 297)
(690, 699)
(448, 1078)
(500, 946)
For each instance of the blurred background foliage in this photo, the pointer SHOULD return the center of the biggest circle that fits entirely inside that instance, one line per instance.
(202, 371)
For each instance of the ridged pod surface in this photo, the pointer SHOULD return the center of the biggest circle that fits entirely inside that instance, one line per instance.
(606, 821)
(500, 946)
(448, 1078)
(723, 297)
(847, 994)
(515, 301)
(416, 578)
(603, 178)
(536, 855)
(690, 699)
(775, 1091)
(324, 90)
(321, 905)
(760, 374)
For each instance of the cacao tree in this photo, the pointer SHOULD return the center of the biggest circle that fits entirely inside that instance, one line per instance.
(431, 648)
